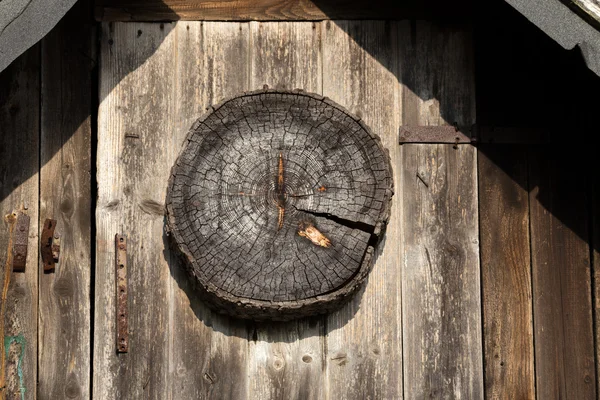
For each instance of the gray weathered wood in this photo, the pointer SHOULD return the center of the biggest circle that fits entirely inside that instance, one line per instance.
(136, 146)
(506, 272)
(441, 290)
(286, 359)
(19, 190)
(364, 342)
(65, 195)
(208, 351)
(562, 313)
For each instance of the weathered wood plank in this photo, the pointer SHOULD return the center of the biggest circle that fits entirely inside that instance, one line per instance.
(65, 195)
(286, 359)
(441, 301)
(135, 148)
(19, 190)
(364, 339)
(208, 350)
(506, 272)
(274, 10)
(564, 344)
(440, 288)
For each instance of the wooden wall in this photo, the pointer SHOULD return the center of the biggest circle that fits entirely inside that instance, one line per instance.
(46, 99)
(484, 285)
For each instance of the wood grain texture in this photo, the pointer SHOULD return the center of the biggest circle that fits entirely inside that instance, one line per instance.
(506, 272)
(65, 195)
(135, 147)
(564, 343)
(441, 288)
(364, 342)
(275, 10)
(19, 190)
(208, 350)
(286, 359)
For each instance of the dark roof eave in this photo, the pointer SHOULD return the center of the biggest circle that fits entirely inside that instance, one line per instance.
(564, 26)
(24, 22)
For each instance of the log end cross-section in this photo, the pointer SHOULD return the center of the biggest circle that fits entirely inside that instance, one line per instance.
(276, 203)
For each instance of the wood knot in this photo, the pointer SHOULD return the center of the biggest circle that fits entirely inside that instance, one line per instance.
(278, 363)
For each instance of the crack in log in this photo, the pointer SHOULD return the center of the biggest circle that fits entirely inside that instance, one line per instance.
(362, 226)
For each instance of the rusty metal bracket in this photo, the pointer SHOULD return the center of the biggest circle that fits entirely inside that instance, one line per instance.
(475, 134)
(21, 240)
(50, 245)
(121, 284)
(434, 134)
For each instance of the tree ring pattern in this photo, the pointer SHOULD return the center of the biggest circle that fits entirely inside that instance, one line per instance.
(276, 203)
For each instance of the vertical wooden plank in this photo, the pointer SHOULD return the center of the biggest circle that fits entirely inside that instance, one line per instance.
(135, 150)
(440, 287)
(564, 344)
(286, 359)
(19, 189)
(65, 195)
(364, 339)
(506, 272)
(208, 351)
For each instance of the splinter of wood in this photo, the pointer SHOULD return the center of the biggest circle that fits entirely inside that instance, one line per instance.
(121, 293)
(308, 231)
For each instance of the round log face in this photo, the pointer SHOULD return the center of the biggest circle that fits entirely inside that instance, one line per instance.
(276, 203)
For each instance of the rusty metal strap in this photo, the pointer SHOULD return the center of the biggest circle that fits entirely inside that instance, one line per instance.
(50, 245)
(433, 134)
(473, 134)
(21, 240)
(121, 294)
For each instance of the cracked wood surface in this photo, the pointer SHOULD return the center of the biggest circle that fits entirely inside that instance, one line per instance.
(245, 209)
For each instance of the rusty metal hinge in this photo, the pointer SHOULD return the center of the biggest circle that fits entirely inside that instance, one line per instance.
(50, 245)
(121, 284)
(21, 239)
(451, 134)
(474, 134)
